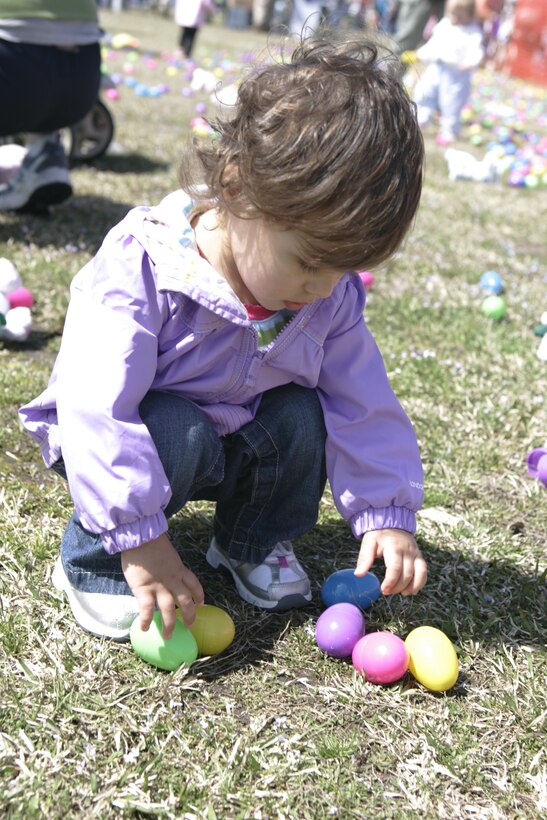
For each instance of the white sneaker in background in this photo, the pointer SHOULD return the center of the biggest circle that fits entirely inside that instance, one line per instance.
(42, 180)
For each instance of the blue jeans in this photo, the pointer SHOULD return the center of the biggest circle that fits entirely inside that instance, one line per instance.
(267, 479)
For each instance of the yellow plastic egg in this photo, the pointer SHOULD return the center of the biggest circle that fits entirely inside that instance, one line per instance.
(433, 659)
(213, 629)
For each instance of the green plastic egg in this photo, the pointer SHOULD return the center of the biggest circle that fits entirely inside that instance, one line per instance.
(152, 647)
(494, 307)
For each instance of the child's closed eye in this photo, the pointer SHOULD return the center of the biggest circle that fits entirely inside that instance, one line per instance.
(309, 268)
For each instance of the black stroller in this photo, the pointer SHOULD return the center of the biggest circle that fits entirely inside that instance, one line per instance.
(89, 138)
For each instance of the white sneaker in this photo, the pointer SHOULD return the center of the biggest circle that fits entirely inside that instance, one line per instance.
(42, 180)
(278, 583)
(108, 616)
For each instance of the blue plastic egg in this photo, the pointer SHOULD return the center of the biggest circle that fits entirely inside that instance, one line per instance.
(492, 282)
(343, 587)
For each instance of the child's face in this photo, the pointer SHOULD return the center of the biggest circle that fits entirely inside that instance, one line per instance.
(267, 266)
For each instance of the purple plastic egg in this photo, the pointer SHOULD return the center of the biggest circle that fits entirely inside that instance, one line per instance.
(537, 464)
(380, 657)
(339, 628)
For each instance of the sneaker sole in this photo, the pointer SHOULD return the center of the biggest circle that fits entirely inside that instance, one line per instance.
(82, 618)
(216, 560)
(54, 193)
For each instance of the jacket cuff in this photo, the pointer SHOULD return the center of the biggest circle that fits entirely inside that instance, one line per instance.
(134, 534)
(383, 518)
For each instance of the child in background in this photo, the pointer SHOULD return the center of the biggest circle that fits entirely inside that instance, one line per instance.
(215, 348)
(190, 16)
(452, 53)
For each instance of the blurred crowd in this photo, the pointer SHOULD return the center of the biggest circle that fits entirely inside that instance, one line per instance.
(408, 22)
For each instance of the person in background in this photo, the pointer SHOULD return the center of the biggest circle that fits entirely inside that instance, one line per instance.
(410, 21)
(50, 71)
(190, 15)
(306, 16)
(452, 54)
(233, 362)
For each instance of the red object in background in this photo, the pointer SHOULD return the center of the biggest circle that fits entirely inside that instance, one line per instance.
(526, 55)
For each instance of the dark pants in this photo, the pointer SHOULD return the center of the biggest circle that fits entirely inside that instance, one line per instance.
(44, 88)
(267, 479)
(187, 37)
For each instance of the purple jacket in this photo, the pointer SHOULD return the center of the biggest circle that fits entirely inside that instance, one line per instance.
(149, 313)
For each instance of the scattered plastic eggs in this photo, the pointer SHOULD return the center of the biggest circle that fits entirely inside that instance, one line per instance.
(152, 647)
(432, 658)
(213, 629)
(339, 628)
(345, 587)
(380, 657)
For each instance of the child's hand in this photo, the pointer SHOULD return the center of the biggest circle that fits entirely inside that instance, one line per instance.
(406, 570)
(158, 577)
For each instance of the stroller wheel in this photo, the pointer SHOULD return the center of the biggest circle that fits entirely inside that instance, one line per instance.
(89, 138)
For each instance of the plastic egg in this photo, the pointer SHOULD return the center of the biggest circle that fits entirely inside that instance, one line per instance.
(213, 629)
(432, 658)
(338, 629)
(152, 647)
(492, 282)
(21, 297)
(537, 464)
(345, 587)
(381, 657)
(494, 307)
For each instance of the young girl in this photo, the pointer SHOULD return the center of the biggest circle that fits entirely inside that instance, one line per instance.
(190, 16)
(452, 53)
(215, 348)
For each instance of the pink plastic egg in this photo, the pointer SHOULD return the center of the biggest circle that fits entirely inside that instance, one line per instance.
(21, 297)
(381, 657)
(339, 628)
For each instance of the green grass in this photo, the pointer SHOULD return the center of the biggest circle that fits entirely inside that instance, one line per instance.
(272, 728)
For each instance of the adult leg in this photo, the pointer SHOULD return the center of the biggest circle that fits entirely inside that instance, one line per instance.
(43, 89)
(410, 23)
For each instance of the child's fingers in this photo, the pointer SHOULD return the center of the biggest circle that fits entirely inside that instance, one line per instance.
(394, 574)
(419, 578)
(367, 555)
(166, 606)
(146, 602)
(193, 585)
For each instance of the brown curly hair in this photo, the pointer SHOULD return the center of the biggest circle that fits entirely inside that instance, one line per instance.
(325, 143)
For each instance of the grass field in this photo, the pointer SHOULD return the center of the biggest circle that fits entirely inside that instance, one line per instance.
(272, 728)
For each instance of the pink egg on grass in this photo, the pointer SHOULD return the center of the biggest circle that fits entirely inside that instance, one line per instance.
(21, 297)
(339, 628)
(380, 657)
